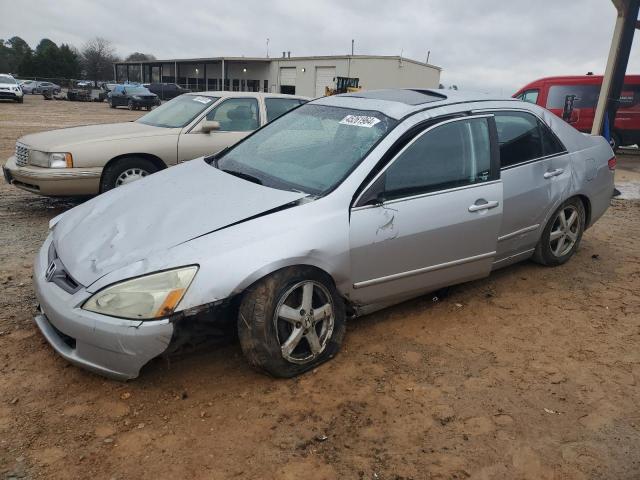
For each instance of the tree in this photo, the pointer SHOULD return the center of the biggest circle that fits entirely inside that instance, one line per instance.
(98, 57)
(70, 61)
(15, 55)
(139, 57)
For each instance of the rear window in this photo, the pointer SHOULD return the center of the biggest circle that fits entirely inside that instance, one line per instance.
(279, 106)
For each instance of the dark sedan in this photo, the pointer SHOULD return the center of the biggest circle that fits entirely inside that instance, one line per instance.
(166, 91)
(134, 97)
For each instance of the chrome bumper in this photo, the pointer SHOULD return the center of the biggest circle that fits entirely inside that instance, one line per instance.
(112, 347)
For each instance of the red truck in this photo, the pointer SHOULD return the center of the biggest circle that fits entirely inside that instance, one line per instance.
(551, 93)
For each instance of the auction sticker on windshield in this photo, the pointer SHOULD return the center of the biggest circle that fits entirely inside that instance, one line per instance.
(360, 121)
(204, 100)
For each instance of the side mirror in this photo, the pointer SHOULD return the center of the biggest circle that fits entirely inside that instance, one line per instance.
(124, 91)
(209, 125)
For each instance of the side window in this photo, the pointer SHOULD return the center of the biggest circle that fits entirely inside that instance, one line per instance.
(236, 115)
(451, 155)
(279, 106)
(586, 96)
(530, 96)
(519, 137)
(550, 143)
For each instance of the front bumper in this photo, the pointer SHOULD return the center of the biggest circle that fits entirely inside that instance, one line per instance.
(53, 181)
(9, 95)
(112, 347)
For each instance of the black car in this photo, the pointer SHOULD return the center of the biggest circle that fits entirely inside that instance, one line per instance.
(166, 91)
(134, 97)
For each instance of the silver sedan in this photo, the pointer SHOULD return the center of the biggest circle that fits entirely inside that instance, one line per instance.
(343, 206)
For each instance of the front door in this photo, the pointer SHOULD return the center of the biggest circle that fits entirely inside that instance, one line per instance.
(238, 117)
(431, 217)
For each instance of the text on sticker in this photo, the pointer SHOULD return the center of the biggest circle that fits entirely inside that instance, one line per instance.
(204, 100)
(360, 121)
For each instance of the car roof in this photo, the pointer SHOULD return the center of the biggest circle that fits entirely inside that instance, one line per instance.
(225, 93)
(400, 102)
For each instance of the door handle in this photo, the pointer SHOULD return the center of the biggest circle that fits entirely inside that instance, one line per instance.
(483, 206)
(554, 173)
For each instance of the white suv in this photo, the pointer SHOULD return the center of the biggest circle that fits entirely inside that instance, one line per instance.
(9, 88)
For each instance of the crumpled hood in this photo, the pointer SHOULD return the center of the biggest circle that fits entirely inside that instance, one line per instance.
(167, 208)
(65, 138)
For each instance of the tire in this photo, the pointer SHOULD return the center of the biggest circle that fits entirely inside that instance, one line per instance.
(615, 141)
(116, 173)
(556, 251)
(148, 109)
(20, 100)
(262, 333)
(111, 105)
(130, 105)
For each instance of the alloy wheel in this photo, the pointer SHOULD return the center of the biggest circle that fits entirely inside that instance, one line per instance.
(304, 321)
(130, 175)
(565, 230)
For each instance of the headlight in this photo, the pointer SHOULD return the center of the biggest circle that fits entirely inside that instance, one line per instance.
(143, 298)
(52, 160)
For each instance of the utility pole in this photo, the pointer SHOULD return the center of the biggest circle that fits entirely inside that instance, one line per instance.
(352, 46)
(267, 48)
(428, 55)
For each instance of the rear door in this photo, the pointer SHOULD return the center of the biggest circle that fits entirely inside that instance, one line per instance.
(238, 117)
(431, 217)
(536, 171)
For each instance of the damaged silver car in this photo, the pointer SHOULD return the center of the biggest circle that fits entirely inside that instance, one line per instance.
(340, 207)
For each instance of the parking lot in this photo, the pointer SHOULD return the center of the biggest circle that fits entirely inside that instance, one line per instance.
(532, 373)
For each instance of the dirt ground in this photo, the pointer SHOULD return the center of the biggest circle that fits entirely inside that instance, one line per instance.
(533, 373)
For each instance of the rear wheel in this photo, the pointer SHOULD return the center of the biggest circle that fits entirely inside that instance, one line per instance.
(614, 141)
(291, 321)
(124, 171)
(561, 237)
(130, 105)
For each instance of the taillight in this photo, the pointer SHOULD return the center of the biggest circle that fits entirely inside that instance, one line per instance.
(612, 163)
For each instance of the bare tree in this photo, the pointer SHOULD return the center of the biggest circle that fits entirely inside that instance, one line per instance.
(98, 56)
(139, 57)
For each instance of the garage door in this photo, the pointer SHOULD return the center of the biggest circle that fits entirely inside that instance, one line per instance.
(324, 78)
(288, 76)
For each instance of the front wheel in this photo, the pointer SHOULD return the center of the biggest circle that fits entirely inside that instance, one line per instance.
(20, 99)
(124, 171)
(562, 234)
(111, 104)
(130, 105)
(291, 321)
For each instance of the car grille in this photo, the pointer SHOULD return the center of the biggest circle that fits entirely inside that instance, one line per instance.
(22, 155)
(56, 273)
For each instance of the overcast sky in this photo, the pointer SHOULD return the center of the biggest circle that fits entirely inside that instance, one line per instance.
(483, 45)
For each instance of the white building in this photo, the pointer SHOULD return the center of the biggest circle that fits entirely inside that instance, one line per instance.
(306, 76)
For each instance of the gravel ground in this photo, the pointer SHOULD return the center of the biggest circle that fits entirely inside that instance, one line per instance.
(532, 373)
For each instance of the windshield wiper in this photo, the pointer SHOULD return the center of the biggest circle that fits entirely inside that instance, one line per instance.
(244, 176)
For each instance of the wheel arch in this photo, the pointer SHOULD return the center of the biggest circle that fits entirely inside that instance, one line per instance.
(157, 161)
(586, 203)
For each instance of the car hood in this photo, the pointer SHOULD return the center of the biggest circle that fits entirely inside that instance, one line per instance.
(65, 138)
(5, 85)
(168, 208)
